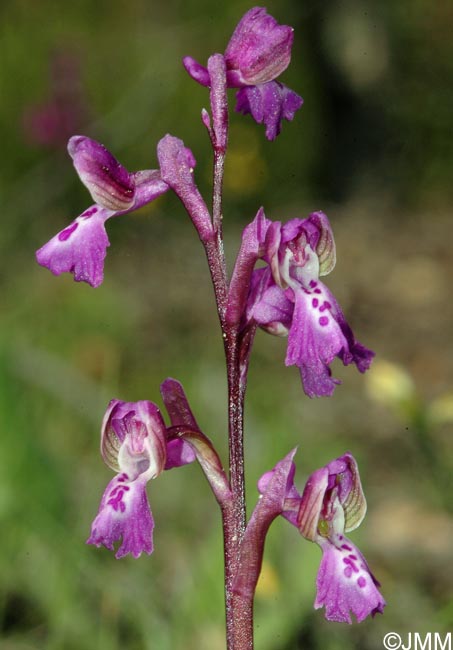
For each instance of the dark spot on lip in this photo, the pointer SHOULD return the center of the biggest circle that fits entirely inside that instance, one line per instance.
(67, 232)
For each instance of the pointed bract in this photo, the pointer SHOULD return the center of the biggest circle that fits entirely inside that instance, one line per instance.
(177, 164)
(278, 491)
(252, 248)
(275, 487)
(178, 408)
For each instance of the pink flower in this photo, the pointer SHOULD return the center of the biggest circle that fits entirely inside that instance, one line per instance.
(81, 247)
(287, 298)
(333, 503)
(258, 52)
(134, 444)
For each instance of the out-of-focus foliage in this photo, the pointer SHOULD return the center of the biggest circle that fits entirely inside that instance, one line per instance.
(372, 147)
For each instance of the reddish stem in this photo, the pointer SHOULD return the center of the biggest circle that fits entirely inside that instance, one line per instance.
(239, 610)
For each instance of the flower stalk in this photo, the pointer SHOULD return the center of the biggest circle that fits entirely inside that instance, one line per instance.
(239, 610)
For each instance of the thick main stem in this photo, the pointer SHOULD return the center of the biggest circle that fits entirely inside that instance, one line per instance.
(239, 610)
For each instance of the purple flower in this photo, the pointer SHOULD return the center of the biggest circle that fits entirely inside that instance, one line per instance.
(333, 503)
(258, 52)
(134, 444)
(259, 49)
(124, 514)
(287, 298)
(81, 247)
(269, 104)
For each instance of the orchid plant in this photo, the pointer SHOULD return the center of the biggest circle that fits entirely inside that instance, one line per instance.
(283, 296)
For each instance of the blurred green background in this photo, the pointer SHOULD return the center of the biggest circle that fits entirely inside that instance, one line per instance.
(372, 147)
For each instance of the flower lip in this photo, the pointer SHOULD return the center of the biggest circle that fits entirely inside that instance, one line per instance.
(124, 514)
(345, 583)
(80, 248)
(269, 104)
